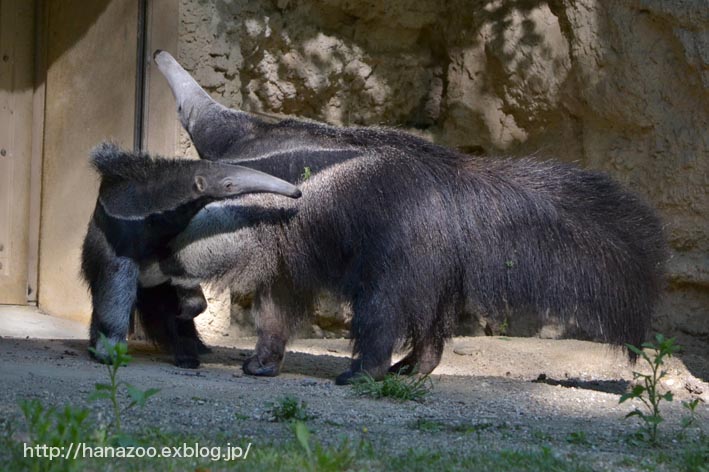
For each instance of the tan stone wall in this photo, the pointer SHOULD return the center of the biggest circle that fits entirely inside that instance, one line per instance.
(620, 86)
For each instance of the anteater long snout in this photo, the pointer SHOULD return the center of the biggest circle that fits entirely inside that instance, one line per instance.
(254, 181)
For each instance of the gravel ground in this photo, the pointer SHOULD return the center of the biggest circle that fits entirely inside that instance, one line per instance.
(487, 393)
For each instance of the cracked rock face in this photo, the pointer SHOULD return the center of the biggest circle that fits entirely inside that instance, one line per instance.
(617, 86)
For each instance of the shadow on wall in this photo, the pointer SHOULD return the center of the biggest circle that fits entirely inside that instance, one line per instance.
(438, 68)
(73, 30)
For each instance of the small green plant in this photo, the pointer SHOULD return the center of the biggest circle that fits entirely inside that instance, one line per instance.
(434, 426)
(504, 327)
(52, 430)
(647, 388)
(320, 458)
(52, 426)
(289, 409)
(542, 436)
(307, 172)
(691, 419)
(577, 437)
(66, 427)
(118, 357)
(695, 457)
(431, 426)
(476, 428)
(395, 386)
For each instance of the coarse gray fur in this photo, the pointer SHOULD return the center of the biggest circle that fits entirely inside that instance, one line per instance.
(413, 235)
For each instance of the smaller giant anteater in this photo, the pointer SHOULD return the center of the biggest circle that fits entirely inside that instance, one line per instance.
(143, 203)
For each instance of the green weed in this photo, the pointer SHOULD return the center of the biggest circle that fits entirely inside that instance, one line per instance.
(119, 357)
(322, 458)
(307, 172)
(578, 438)
(50, 430)
(289, 409)
(395, 386)
(647, 388)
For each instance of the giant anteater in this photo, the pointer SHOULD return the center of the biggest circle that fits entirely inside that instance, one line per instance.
(411, 234)
(144, 202)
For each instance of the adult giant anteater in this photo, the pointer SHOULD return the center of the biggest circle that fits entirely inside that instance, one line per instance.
(413, 234)
(144, 202)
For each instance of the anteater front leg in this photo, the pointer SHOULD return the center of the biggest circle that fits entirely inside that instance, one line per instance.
(113, 291)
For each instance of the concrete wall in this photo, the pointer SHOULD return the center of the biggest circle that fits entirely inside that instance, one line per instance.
(90, 97)
(619, 86)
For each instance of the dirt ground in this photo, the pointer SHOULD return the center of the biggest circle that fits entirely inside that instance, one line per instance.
(487, 393)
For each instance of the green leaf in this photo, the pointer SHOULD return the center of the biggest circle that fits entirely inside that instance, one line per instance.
(691, 405)
(668, 396)
(303, 436)
(100, 386)
(138, 396)
(634, 349)
(625, 397)
(653, 419)
(637, 391)
(99, 395)
(121, 348)
(123, 440)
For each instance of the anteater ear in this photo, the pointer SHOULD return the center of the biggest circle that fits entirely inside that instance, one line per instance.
(200, 183)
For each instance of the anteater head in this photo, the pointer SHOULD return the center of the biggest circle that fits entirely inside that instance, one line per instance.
(136, 185)
(215, 180)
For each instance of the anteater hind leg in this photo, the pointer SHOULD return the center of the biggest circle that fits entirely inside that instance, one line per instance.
(375, 330)
(191, 302)
(158, 308)
(423, 358)
(275, 311)
(429, 337)
(186, 349)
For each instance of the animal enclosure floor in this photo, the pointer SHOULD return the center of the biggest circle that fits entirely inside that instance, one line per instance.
(29, 321)
(488, 394)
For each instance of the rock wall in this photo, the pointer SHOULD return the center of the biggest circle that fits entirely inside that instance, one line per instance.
(619, 86)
